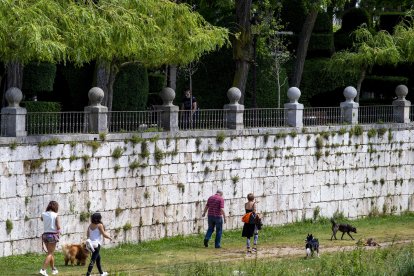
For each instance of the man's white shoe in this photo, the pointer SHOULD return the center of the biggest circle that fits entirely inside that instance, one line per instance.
(55, 271)
(43, 272)
(104, 273)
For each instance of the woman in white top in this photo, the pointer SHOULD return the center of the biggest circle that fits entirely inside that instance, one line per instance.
(50, 235)
(94, 233)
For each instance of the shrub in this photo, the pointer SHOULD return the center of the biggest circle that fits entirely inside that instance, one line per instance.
(131, 88)
(38, 78)
(353, 18)
(36, 124)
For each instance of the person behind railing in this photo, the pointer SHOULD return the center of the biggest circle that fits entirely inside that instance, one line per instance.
(189, 107)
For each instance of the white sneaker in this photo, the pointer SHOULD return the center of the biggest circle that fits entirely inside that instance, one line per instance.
(104, 273)
(89, 246)
(43, 272)
(55, 271)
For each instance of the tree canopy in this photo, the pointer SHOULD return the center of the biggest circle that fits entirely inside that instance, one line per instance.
(153, 32)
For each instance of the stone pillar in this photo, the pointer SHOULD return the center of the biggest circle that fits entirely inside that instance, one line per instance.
(293, 109)
(169, 112)
(13, 117)
(349, 108)
(234, 110)
(401, 107)
(96, 114)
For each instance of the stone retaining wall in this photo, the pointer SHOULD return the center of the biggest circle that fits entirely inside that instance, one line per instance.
(156, 186)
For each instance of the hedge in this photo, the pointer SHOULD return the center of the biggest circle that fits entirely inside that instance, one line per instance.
(211, 81)
(72, 85)
(387, 21)
(38, 78)
(46, 123)
(131, 88)
(316, 80)
(353, 18)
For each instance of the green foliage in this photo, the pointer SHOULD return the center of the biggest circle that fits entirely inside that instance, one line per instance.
(382, 85)
(372, 133)
(49, 143)
(73, 85)
(94, 144)
(135, 139)
(144, 149)
(388, 20)
(38, 77)
(321, 45)
(134, 165)
(41, 106)
(131, 88)
(36, 123)
(13, 145)
(9, 226)
(84, 216)
(266, 85)
(127, 226)
(220, 137)
(354, 18)
(318, 78)
(319, 143)
(158, 154)
(117, 152)
(156, 82)
(207, 79)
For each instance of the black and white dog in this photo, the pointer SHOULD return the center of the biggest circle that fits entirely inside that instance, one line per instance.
(312, 245)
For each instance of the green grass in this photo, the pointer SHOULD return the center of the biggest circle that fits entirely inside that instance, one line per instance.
(187, 255)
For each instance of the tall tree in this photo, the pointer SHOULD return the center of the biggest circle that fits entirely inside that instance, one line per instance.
(28, 33)
(313, 7)
(242, 45)
(370, 49)
(153, 32)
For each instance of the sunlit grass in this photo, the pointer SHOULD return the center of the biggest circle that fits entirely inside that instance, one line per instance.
(187, 253)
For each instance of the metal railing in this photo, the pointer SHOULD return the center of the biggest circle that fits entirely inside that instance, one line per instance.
(376, 114)
(412, 113)
(132, 121)
(202, 119)
(264, 117)
(56, 122)
(314, 116)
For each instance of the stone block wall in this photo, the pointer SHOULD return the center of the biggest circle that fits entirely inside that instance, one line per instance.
(154, 185)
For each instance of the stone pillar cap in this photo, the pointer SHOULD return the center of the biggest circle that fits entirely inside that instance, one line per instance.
(96, 96)
(293, 94)
(14, 96)
(234, 95)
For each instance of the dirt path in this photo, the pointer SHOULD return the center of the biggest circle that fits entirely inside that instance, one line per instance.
(283, 252)
(231, 255)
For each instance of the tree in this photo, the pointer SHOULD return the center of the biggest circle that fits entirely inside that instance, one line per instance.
(313, 7)
(242, 45)
(370, 49)
(153, 32)
(27, 33)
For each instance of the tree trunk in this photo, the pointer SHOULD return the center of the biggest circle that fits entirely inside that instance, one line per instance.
(111, 81)
(302, 49)
(102, 75)
(242, 46)
(14, 71)
(172, 76)
(359, 83)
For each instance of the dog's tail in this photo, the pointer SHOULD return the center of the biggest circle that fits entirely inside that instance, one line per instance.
(65, 249)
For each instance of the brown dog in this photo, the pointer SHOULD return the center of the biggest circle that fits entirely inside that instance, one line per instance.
(72, 252)
(344, 228)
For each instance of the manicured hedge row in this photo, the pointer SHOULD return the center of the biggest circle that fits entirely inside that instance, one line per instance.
(131, 88)
(38, 77)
